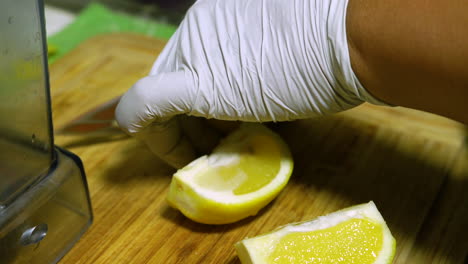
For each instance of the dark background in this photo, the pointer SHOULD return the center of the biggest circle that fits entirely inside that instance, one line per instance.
(168, 11)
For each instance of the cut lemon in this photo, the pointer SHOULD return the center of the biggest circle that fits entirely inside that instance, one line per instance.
(356, 235)
(245, 172)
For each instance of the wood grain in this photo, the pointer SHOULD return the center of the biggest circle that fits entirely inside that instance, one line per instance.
(412, 164)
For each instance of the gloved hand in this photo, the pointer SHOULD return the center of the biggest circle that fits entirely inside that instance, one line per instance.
(248, 60)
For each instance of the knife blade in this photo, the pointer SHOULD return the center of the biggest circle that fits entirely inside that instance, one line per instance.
(98, 120)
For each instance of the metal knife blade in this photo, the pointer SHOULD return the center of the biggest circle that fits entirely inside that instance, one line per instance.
(98, 120)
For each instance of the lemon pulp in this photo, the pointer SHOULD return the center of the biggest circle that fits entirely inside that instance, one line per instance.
(259, 163)
(355, 235)
(352, 241)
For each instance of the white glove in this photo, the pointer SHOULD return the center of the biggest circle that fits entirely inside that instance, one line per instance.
(248, 60)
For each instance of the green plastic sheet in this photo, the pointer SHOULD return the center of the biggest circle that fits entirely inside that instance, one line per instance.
(97, 19)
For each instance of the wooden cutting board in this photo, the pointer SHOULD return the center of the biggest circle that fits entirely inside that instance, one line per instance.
(413, 165)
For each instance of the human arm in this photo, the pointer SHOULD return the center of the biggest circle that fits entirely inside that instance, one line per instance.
(412, 53)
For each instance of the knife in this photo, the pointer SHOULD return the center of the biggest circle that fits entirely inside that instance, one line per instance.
(99, 120)
(166, 139)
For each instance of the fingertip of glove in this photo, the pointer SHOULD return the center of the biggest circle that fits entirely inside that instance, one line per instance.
(132, 111)
(154, 98)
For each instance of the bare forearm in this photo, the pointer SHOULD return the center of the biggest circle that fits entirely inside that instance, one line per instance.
(412, 53)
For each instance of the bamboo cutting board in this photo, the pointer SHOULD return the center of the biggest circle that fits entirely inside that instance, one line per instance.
(413, 165)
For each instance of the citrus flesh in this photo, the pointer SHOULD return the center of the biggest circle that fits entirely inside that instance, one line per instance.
(245, 172)
(259, 162)
(357, 234)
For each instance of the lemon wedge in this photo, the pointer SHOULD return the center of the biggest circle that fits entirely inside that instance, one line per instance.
(356, 235)
(245, 172)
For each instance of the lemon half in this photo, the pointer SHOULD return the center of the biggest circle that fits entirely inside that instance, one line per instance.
(245, 172)
(356, 235)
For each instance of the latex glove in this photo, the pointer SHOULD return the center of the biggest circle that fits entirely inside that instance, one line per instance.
(248, 60)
